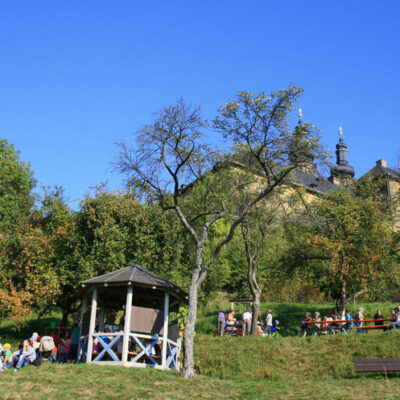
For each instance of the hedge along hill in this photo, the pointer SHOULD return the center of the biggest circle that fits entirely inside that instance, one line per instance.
(280, 358)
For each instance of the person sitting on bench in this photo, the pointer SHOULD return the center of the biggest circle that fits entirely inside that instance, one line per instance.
(316, 327)
(305, 326)
(397, 322)
(380, 317)
(333, 327)
(348, 324)
(359, 320)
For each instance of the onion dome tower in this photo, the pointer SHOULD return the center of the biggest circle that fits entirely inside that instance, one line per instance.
(300, 152)
(342, 173)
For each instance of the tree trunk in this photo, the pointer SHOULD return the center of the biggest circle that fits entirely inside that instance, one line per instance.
(64, 320)
(188, 337)
(255, 309)
(255, 291)
(341, 302)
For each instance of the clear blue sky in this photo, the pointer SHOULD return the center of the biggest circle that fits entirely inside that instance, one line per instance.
(76, 76)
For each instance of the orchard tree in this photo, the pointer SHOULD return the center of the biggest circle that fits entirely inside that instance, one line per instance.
(171, 164)
(354, 238)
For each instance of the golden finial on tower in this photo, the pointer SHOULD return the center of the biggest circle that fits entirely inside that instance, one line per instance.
(300, 113)
(340, 131)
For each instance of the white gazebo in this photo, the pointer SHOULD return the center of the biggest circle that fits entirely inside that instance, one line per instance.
(146, 301)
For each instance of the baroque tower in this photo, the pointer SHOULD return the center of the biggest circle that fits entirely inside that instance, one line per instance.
(342, 173)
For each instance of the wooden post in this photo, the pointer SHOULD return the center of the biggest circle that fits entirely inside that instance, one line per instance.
(92, 326)
(127, 326)
(101, 320)
(165, 334)
(83, 310)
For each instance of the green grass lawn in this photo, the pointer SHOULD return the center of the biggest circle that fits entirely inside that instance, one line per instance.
(95, 382)
(285, 367)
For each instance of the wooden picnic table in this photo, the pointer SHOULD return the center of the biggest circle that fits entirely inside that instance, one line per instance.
(235, 329)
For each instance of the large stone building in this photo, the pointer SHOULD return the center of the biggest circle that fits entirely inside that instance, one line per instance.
(342, 174)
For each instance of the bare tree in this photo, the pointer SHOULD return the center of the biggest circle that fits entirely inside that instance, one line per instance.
(172, 165)
(262, 221)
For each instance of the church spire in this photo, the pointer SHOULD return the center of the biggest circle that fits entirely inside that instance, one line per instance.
(342, 172)
(301, 154)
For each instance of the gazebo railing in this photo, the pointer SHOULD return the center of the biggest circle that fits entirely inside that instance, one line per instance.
(142, 358)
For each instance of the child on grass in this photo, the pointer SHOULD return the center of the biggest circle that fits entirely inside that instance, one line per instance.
(275, 328)
(7, 353)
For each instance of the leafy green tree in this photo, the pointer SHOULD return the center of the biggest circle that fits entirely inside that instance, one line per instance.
(16, 184)
(353, 244)
(28, 269)
(112, 231)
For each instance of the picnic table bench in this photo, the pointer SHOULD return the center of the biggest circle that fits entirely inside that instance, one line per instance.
(344, 321)
(377, 365)
(234, 330)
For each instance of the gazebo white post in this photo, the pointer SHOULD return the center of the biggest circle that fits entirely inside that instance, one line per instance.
(92, 326)
(127, 326)
(165, 329)
(101, 320)
(83, 311)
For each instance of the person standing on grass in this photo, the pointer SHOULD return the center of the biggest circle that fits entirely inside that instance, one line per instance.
(275, 328)
(230, 319)
(73, 350)
(64, 357)
(268, 324)
(397, 322)
(221, 320)
(246, 322)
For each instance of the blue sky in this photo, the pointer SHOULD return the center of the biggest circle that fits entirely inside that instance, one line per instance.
(77, 76)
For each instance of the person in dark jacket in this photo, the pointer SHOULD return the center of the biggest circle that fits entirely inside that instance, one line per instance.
(379, 317)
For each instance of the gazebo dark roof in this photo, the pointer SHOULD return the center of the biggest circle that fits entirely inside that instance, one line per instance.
(134, 274)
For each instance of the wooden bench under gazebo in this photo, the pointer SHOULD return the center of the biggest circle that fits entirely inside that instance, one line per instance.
(146, 301)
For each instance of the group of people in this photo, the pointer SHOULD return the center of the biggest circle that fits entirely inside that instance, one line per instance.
(336, 323)
(310, 325)
(25, 355)
(60, 346)
(227, 321)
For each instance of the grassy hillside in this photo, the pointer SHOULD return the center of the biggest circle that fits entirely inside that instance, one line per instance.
(281, 359)
(231, 367)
